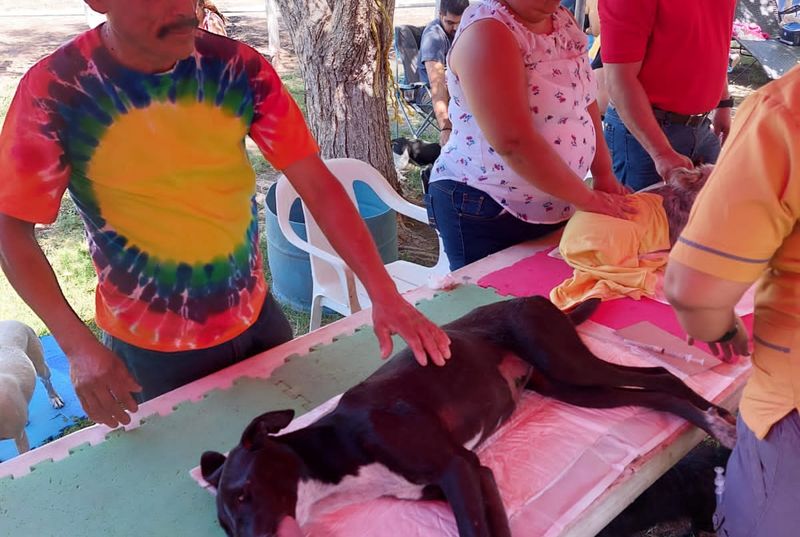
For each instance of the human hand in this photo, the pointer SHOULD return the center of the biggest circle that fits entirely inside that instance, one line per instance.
(669, 160)
(609, 184)
(728, 351)
(444, 135)
(103, 384)
(618, 206)
(721, 123)
(424, 338)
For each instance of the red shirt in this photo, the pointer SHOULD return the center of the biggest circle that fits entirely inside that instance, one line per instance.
(683, 46)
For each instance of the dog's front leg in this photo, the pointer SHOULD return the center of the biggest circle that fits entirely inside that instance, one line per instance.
(495, 510)
(462, 486)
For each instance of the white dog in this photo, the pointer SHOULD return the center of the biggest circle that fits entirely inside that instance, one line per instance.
(21, 360)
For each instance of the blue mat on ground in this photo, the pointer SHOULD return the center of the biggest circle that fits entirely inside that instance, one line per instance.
(44, 421)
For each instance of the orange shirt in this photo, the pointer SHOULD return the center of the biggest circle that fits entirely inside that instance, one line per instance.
(743, 227)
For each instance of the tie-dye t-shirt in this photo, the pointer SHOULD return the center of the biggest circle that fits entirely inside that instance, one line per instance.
(157, 167)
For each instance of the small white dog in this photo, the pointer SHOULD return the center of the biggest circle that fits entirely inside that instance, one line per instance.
(21, 360)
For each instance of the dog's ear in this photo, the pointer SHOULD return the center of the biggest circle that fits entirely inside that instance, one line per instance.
(263, 426)
(211, 463)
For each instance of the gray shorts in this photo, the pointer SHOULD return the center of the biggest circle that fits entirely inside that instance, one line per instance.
(762, 483)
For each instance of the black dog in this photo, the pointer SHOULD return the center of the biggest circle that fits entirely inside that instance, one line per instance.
(420, 153)
(412, 428)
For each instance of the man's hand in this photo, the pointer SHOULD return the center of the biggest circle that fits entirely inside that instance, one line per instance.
(730, 350)
(721, 123)
(103, 385)
(424, 338)
(667, 161)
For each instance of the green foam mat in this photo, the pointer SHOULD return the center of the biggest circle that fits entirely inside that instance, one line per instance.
(137, 482)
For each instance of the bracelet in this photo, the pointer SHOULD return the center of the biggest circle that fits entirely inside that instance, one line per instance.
(726, 103)
(729, 335)
(446, 129)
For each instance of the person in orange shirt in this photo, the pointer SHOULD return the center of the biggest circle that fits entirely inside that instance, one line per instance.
(143, 119)
(744, 228)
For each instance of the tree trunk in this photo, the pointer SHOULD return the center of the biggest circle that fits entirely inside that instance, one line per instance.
(273, 35)
(342, 47)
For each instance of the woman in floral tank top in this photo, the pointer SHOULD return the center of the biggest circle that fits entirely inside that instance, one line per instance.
(525, 131)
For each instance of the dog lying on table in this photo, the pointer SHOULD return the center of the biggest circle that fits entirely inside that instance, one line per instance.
(408, 431)
(21, 360)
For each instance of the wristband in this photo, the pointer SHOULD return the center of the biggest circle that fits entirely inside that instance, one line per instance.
(729, 335)
(446, 129)
(726, 103)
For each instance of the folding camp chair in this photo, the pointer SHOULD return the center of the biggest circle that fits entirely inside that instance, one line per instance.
(410, 91)
(774, 56)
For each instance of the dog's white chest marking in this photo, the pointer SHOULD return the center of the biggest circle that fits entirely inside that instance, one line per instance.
(372, 481)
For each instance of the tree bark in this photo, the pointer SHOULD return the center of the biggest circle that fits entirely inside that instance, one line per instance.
(273, 35)
(342, 47)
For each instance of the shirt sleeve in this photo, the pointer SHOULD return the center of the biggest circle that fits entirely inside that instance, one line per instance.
(433, 46)
(749, 207)
(33, 170)
(626, 27)
(278, 128)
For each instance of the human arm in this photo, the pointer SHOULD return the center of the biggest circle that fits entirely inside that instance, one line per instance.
(602, 173)
(704, 305)
(721, 117)
(489, 65)
(440, 98)
(630, 100)
(334, 212)
(101, 380)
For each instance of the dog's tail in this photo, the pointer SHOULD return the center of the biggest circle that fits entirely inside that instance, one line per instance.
(583, 311)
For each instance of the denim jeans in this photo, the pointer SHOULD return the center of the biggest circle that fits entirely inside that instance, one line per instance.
(473, 225)
(634, 167)
(159, 372)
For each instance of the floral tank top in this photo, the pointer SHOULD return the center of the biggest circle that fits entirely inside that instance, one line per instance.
(561, 87)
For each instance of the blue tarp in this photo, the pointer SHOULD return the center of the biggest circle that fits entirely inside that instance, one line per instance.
(44, 421)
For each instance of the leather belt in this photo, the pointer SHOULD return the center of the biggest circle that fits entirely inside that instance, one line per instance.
(679, 119)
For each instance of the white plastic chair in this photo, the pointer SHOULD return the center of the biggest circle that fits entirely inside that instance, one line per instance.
(334, 284)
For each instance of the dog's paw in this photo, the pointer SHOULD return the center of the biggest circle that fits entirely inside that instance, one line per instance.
(720, 427)
(56, 401)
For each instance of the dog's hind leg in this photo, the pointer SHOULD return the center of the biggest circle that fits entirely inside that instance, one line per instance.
(710, 419)
(22, 442)
(35, 353)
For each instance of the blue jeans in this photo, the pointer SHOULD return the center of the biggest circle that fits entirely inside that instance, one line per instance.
(159, 372)
(473, 225)
(634, 167)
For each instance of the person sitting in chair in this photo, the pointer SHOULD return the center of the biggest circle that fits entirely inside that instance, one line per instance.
(434, 46)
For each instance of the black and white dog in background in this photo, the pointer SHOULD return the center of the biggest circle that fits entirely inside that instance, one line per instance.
(417, 152)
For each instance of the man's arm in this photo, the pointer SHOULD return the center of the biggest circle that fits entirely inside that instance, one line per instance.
(341, 223)
(721, 117)
(101, 380)
(440, 98)
(627, 94)
(705, 305)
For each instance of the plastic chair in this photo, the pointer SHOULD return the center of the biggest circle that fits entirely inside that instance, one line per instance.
(409, 88)
(334, 284)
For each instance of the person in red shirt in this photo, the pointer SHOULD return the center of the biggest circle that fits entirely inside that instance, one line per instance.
(666, 73)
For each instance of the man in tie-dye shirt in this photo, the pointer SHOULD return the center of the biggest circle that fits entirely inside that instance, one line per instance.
(143, 119)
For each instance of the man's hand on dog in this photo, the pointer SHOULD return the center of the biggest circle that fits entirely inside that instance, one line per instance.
(103, 384)
(424, 338)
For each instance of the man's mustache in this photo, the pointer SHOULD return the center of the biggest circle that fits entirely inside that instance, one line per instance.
(180, 24)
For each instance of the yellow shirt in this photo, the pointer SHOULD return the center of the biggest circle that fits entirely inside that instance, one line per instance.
(743, 227)
(608, 254)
